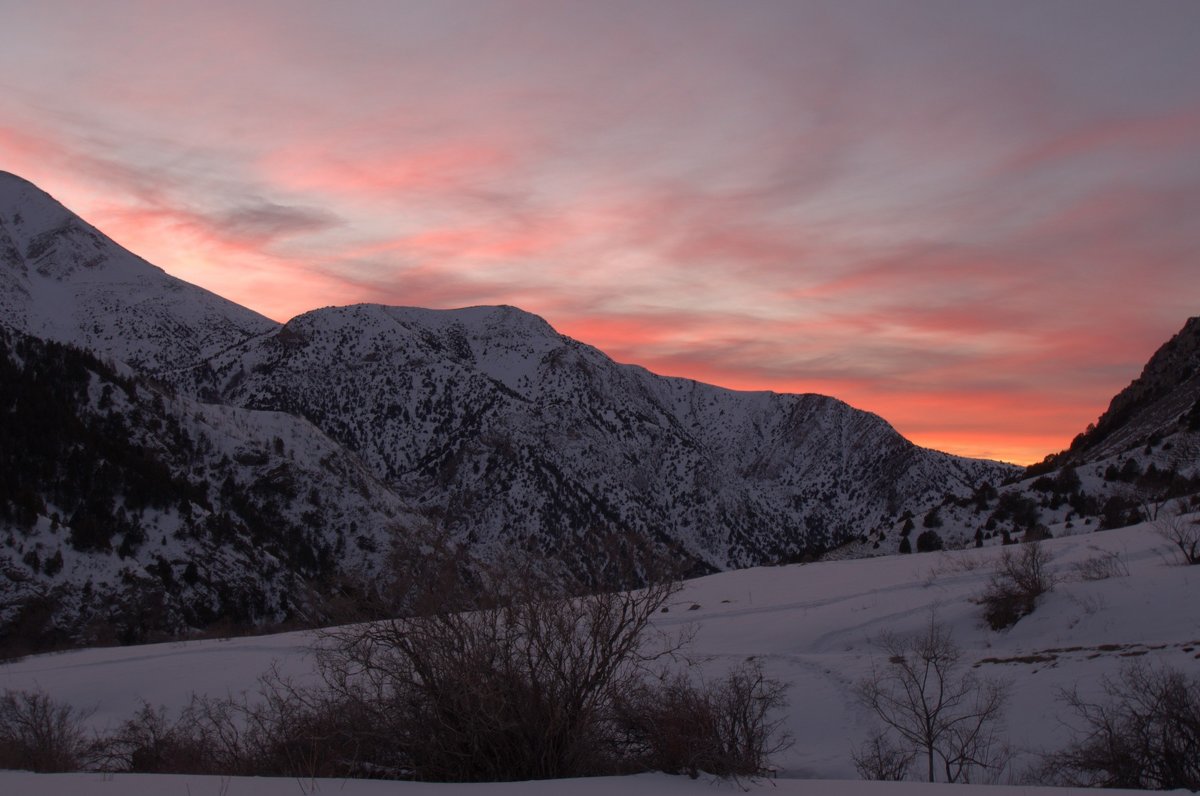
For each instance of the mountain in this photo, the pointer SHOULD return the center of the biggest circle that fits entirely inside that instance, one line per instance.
(1162, 402)
(482, 426)
(1139, 461)
(510, 434)
(133, 514)
(61, 279)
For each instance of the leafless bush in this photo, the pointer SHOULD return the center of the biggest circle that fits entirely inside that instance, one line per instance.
(39, 734)
(1102, 566)
(204, 739)
(525, 688)
(882, 759)
(282, 731)
(929, 705)
(1145, 735)
(530, 683)
(724, 728)
(1181, 531)
(1016, 583)
(149, 742)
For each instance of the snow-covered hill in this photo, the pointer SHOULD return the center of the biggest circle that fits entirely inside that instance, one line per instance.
(810, 625)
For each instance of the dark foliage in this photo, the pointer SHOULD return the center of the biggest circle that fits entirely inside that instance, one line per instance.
(929, 541)
(103, 448)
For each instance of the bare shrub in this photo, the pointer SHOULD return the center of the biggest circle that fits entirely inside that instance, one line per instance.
(1102, 566)
(206, 738)
(881, 759)
(1181, 531)
(283, 732)
(525, 688)
(149, 742)
(39, 734)
(1016, 583)
(1145, 735)
(725, 728)
(930, 706)
(517, 692)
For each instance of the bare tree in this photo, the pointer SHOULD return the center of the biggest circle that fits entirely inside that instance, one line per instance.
(1146, 734)
(39, 734)
(927, 702)
(1181, 531)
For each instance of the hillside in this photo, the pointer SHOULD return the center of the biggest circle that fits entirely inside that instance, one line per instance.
(133, 514)
(1160, 403)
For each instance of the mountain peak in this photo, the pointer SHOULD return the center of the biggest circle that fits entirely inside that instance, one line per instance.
(62, 279)
(26, 210)
(10, 182)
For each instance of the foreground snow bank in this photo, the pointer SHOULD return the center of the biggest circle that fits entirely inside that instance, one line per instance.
(27, 784)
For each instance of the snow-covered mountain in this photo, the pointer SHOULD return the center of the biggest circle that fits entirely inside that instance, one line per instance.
(61, 279)
(507, 432)
(484, 422)
(1161, 403)
(133, 514)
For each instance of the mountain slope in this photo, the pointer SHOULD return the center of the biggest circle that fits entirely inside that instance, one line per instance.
(511, 434)
(1163, 400)
(61, 279)
(133, 514)
(1139, 461)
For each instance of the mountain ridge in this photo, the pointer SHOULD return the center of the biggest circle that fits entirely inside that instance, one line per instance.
(414, 399)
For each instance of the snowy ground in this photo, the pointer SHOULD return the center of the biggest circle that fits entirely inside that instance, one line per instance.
(25, 784)
(811, 625)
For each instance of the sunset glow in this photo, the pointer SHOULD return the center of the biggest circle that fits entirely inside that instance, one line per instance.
(975, 219)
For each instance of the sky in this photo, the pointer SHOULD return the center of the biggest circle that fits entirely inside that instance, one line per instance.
(975, 219)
